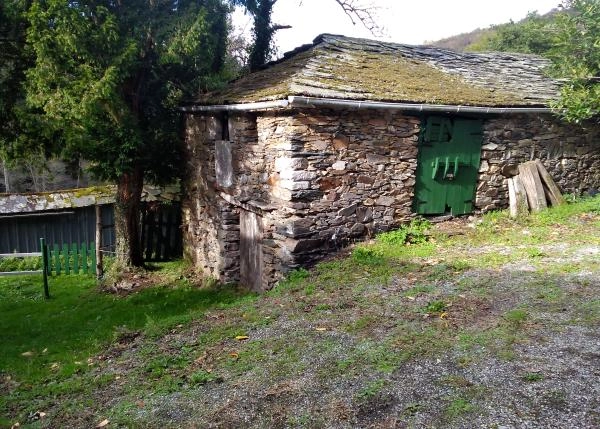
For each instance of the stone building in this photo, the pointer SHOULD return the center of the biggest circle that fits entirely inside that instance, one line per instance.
(346, 137)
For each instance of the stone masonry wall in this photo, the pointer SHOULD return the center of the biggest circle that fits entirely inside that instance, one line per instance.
(319, 179)
(341, 176)
(211, 209)
(570, 153)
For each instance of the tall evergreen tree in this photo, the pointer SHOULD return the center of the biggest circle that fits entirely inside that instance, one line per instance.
(108, 76)
(14, 60)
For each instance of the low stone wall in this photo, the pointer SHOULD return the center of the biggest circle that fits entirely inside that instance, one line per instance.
(570, 153)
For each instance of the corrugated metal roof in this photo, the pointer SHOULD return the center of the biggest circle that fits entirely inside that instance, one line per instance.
(342, 67)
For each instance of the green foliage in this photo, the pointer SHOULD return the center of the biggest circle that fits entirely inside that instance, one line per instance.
(571, 39)
(367, 256)
(32, 263)
(263, 30)
(108, 75)
(533, 35)
(577, 58)
(15, 58)
(413, 233)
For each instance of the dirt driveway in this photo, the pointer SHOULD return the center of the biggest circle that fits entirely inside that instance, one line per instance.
(494, 325)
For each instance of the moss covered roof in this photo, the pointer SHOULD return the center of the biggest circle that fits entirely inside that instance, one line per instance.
(360, 69)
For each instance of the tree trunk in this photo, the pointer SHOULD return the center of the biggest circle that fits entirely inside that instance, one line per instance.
(127, 218)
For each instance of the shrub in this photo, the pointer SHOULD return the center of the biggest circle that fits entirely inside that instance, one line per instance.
(367, 256)
(413, 233)
(32, 263)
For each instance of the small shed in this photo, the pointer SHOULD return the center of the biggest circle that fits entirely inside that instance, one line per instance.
(66, 217)
(345, 137)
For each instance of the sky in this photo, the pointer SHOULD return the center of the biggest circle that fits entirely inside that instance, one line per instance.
(404, 21)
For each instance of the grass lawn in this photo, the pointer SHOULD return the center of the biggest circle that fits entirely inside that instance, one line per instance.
(44, 342)
(469, 325)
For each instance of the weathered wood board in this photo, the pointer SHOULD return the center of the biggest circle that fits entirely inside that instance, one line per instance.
(530, 177)
(551, 190)
(251, 253)
(517, 197)
(223, 163)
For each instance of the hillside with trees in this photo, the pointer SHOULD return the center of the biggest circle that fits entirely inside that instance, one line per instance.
(529, 35)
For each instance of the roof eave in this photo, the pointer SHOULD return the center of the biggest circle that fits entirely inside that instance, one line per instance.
(303, 101)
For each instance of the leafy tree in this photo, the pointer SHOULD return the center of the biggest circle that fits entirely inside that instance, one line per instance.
(577, 58)
(533, 35)
(108, 76)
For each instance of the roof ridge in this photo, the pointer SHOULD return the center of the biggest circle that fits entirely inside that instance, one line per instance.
(342, 67)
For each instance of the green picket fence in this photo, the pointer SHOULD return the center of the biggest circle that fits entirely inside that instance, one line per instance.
(73, 259)
(60, 260)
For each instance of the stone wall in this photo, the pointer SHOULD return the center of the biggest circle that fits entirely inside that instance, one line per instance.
(343, 175)
(320, 179)
(570, 153)
(222, 178)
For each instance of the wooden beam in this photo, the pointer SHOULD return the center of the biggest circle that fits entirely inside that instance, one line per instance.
(99, 266)
(19, 273)
(551, 190)
(532, 182)
(517, 197)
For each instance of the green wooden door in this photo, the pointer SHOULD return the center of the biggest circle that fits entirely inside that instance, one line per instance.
(448, 162)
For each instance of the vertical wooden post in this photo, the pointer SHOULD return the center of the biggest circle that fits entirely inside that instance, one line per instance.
(45, 267)
(99, 266)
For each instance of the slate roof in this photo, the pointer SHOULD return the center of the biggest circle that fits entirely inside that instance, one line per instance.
(348, 68)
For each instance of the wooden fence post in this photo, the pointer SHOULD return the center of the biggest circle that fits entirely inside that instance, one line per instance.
(99, 267)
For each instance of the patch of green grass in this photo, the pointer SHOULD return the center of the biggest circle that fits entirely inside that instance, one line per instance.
(457, 407)
(293, 280)
(372, 389)
(202, 376)
(361, 323)
(435, 307)
(516, 317)
(412, 409)
(455, 381)
(534, 252)
(460, 265)
(588, 312)
(413, 233)
(532, 376)
(439, 272)
(367, 256)
(78, 320)
(545, 288)
(419, 289)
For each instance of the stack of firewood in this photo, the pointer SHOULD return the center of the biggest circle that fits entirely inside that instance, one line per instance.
(532, 189)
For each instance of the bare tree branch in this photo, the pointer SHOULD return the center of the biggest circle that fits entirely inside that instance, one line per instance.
(359, 12)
